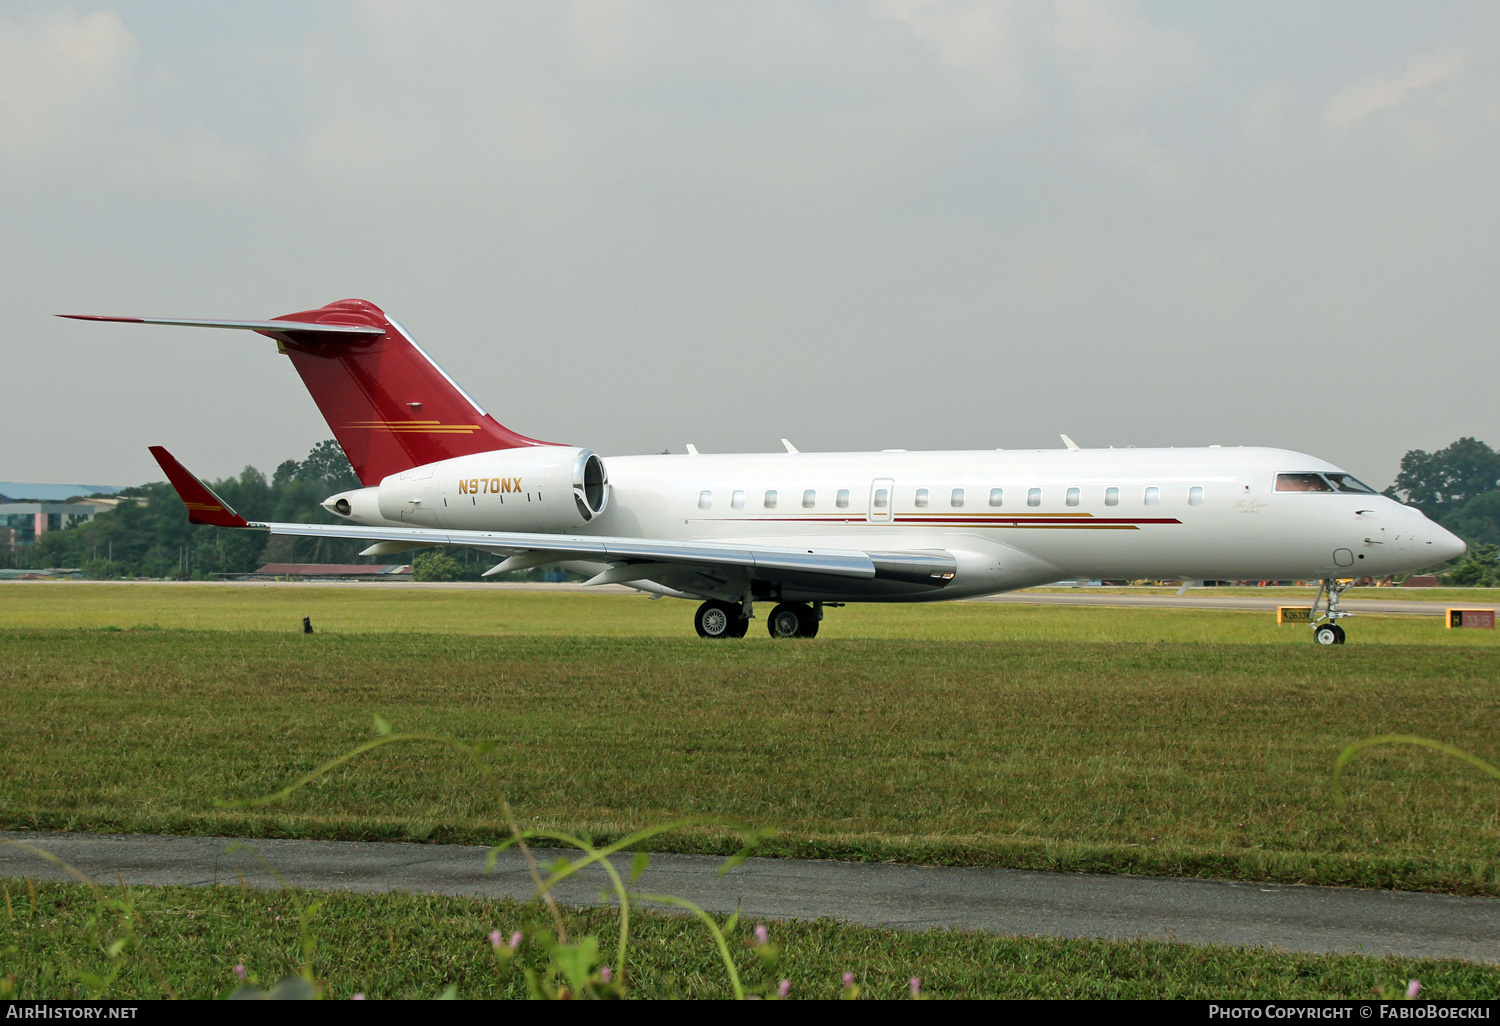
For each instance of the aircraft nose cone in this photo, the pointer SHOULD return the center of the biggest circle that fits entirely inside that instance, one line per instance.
(1447, 544)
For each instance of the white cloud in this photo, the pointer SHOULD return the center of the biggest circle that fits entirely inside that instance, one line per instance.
(787, 96)
(992, 45)
(1146, 161)
(68, 99)
(1116, 60)
(1434, 77)
(57, 70)
(1267, 116)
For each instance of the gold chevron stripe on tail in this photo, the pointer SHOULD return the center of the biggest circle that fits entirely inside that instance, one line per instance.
(415, 427)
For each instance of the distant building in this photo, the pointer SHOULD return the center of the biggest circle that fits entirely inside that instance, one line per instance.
(22, 522)
(11, 491)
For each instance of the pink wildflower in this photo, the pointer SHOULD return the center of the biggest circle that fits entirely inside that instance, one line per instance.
(762, 935)
(494, 938)
(848, 979)
(358, 997)
(515, 940)
(916, 986)
(606, 974)
(239, 971)
(1413, 989)
(784, 988)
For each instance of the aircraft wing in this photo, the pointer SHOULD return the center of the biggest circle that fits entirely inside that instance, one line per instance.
(627, 560)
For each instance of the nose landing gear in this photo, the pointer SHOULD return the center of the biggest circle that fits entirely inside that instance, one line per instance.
(1326, 630)
(1328, 634)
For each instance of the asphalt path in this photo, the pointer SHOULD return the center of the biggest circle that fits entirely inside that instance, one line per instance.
(1009, 902)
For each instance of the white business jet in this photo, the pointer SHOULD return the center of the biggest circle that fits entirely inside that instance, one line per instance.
(807, 531)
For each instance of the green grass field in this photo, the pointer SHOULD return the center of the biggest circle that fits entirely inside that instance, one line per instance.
(1110, 740)
(413, 946)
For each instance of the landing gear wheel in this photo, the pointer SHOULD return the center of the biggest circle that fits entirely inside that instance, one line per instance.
(792, 620)
(719, 620)
(1328, 634)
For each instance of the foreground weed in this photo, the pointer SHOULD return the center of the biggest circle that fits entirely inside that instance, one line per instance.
(575, 967)
(1349, 754)
(109, 911)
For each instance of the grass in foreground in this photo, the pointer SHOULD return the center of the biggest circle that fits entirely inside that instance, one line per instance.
(402, 945)
(1131, 745)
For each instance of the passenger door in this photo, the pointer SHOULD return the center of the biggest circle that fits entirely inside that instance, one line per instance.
(882, 496)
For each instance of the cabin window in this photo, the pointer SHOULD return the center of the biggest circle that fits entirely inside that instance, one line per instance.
(997, 496)
(771, 499)
(809, 499)
(737, 500)
(1195, 495)
(882, 498)
(1153, 495)
(1111, 496)
(705, 500)
(921, 497)
(1302, 483)
(1034, 497)
(957, 498)
(842, 499)
(1072, 496)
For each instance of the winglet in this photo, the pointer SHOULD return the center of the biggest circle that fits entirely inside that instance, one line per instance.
(204, 507)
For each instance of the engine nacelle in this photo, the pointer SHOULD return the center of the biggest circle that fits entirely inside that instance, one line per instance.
(538, 488)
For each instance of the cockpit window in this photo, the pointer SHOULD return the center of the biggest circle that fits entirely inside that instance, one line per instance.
(1311, 482)
(1302, 483)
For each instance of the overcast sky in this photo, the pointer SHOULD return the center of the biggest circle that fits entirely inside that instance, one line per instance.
(861, 225)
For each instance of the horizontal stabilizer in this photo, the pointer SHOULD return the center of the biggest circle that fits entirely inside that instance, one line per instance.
(298, 331)
(204, 507)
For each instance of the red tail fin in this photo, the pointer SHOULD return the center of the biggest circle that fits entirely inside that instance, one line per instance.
(388, 404)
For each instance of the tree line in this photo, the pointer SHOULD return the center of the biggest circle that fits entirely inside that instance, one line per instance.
(1459, 488)
(148, 534)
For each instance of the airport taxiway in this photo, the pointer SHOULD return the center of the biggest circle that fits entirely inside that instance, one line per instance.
(1009, 902)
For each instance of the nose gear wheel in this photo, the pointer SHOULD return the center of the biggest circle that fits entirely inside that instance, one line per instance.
(1326, 630)
(1328, 634)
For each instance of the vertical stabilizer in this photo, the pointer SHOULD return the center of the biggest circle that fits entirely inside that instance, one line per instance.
(388, 404)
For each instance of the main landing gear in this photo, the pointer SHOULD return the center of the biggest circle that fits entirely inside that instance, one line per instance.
(793, 620)
(720, 620)
(716, 619)
(1326, 629)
